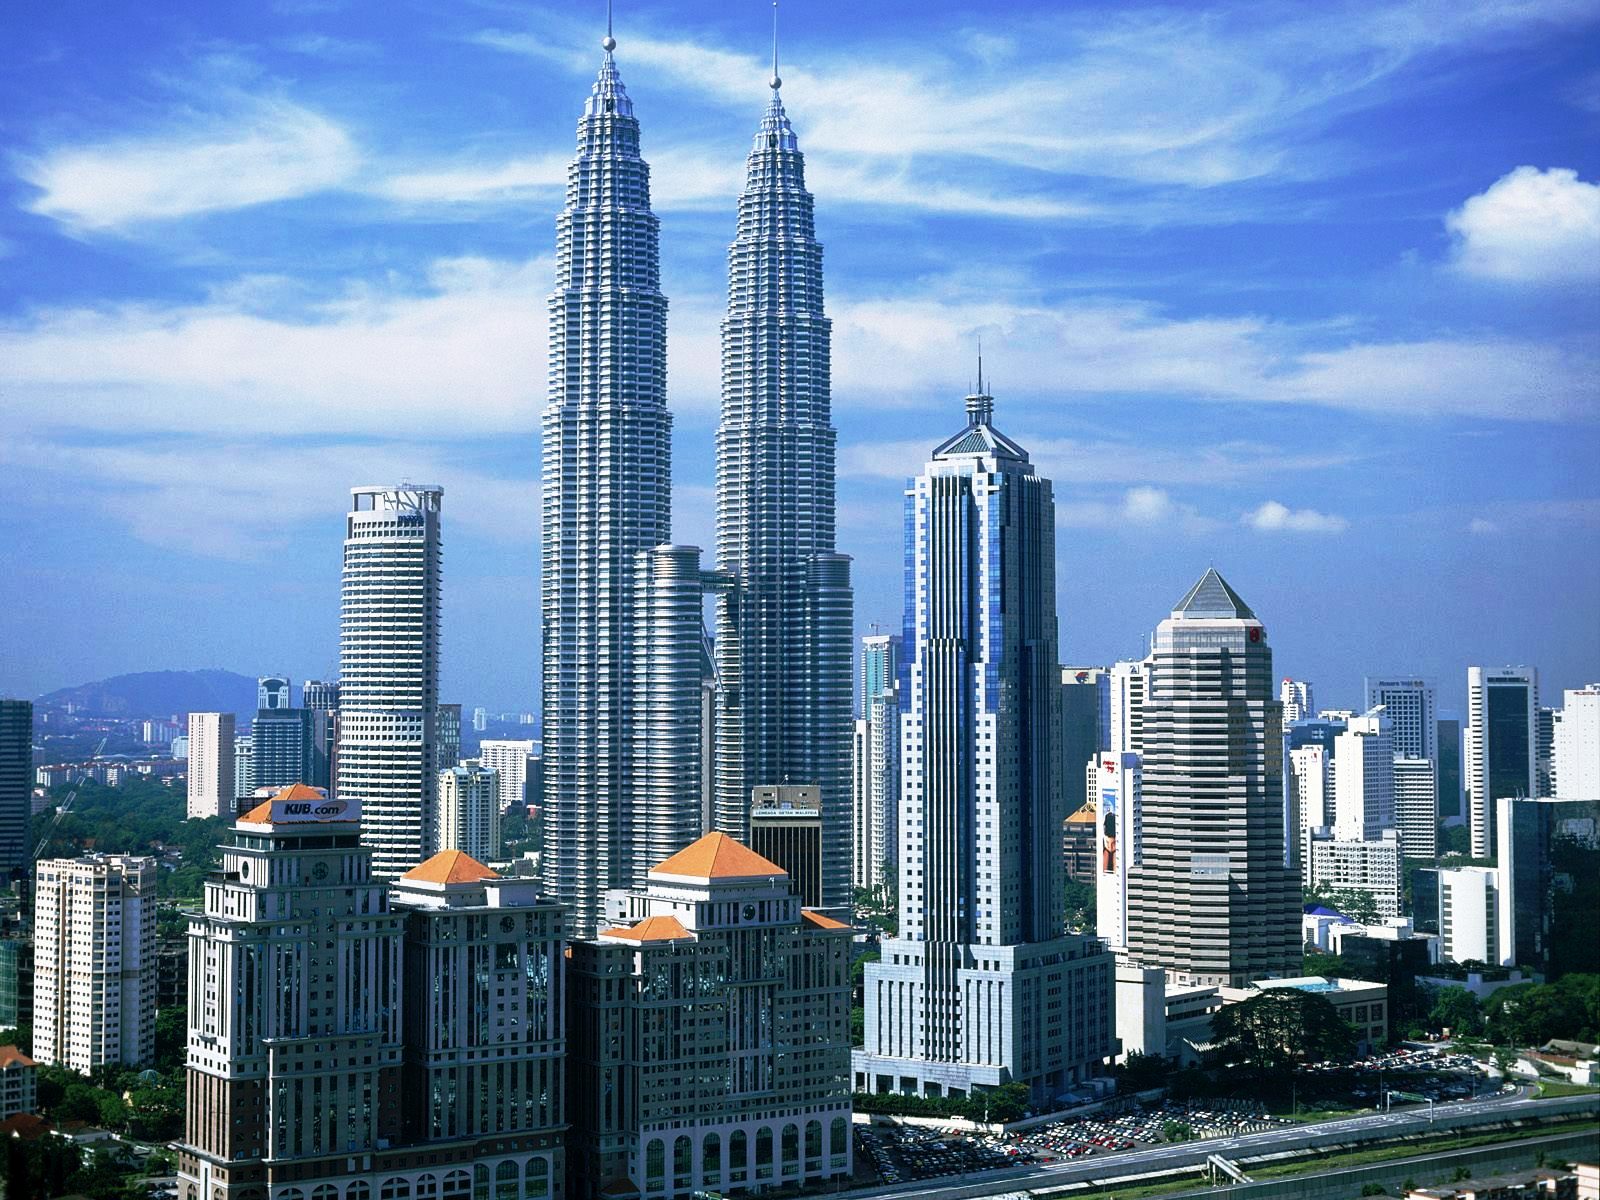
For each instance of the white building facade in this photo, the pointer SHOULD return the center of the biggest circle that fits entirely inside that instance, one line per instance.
(211, 772)
(468, 812)
(94, 961)
(1469, 922)
(509, 759)
(1577, 744)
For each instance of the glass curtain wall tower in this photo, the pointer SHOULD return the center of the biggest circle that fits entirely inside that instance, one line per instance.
(606, 495)
(784, 629)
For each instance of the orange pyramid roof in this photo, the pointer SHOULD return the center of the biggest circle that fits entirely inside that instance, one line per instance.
(718, 856)
(450, 866)
(261, 814)
(12, 1056)
(1086, 814)
(652, 929)
(822, 922)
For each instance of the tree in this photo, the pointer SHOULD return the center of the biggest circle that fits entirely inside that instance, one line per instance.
(1006, 1103)
(1080, 905)
(1139, 1072)
(1457, 1010)
(1177, 1131)
(41, 1168)
(172, 1038)
(1354, 903)
(1279, 1027)
(1531, 1014)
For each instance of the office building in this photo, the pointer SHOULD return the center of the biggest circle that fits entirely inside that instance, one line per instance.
(1373, 865)
(1469, 923)
(387, 757)
(709, 1039)
(1544, 774)
(1085, 729)
(16, 976)
(1408, 703)
(1416, 807)
(786, 828)
(1118, 824)
(665, 815)
(1310, 808)
(468, 812)
(1501, 745)
(16, 784)
(1451, 805)
(244, 769)
(1130, 687)
(212, 776)
(94, 963)
(511, 759)
(1296, 697)
(1363, 779)
(320, 695)
(1576, 748)
(274, 692)
(1549, 882)
(784, 629)
(1211, 899)
(607, 488)
(289, 745)
(876, 761)
(981, 986)
(430, 1067)
(1080, 844)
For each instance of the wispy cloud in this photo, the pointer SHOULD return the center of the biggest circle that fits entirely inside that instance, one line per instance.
(1139, 508)
(1531, 226)
(262, 150)
(1276, 517)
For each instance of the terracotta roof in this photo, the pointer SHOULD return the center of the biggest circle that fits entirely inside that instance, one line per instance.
(822, 922)
(28, 1126)
(11, 1056)
(718, 856)
(261, 814)
(651, 929)
(450, 866)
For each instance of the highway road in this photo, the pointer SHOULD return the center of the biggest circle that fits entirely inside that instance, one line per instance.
(1187, 1154)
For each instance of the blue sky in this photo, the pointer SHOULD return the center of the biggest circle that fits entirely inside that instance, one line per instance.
(1308, 292)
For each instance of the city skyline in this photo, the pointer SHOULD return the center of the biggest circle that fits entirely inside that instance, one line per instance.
(1233, 308)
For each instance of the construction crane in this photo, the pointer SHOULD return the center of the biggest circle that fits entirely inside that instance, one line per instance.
(66, 804)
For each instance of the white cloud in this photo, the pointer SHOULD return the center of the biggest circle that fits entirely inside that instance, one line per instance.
(1139, 508)
(265, 150)
(1479, 525)
(470, 183)
(1531, 226)
(1275, 517)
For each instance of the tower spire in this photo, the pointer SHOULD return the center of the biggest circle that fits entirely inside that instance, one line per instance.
(776, 82)
(609, 43)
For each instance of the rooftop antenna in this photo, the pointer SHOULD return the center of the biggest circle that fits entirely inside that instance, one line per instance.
(610, 43)
(980, 364)
(776, 81)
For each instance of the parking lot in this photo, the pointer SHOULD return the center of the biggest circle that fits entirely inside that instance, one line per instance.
(1138, 1126)
(906, 1154)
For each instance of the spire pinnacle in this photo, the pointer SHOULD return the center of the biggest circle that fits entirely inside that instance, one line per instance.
(608, 43)
(776, 82)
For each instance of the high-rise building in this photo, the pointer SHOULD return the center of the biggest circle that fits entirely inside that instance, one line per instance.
(1501, 745)
(405, 1043)
(480, 719)
(1296, 697)
(1576, 750)
(1549, 884)
(387, 754)
(1212, 899)
(1373, 865)
(710, 1039)
(1408, 703)
(876, 761)
(274, 692)
(1416, 808)
(244, 770)
(1544, 771)
(212, 777)
(1085, 726)
(1364, 779)
(1311, 801)
(1118, 825)
(320, 695)
(665, 815)
(1469, 925)
(468, 812)
(607, 492)
(16, 784)
(510, 759)
(1450, 768)
(784, 636)
(981, 986)
(786, 828)
(1130, 689)
(286, 748)
(94, 981)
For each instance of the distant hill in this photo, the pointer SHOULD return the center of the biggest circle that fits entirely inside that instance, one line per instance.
(161, 694)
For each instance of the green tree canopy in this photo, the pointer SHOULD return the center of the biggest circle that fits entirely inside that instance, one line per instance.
(1280, 1027)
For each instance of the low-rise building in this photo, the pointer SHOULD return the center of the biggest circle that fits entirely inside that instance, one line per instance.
(709, 1046)
(1364, 1005)
(19, 1083)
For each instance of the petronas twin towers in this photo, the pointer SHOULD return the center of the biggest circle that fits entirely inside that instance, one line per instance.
(624, 727)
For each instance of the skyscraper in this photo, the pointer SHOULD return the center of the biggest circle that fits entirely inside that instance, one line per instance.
(510, 759)
(467, 814)
(1364, 779)
(607, 491)
(1501, 745)
(389, 669)
(1296, 697)
(16, 783)
(274, 691)
(1130, 690)
(1449, 773)
(211, 775)
(1408, 703)
(877, 759)
(319, 695)
(981, 986)
(1085, 717)
(1212, 899)
(1577, 744)
(784, 628)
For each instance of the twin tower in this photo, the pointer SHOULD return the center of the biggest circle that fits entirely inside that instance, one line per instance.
(634, 697)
